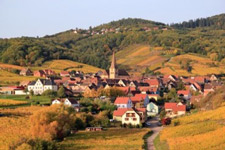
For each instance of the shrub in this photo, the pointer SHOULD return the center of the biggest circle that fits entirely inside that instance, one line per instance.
(176, 123)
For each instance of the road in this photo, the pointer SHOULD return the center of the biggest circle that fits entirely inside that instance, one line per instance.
(156, 129)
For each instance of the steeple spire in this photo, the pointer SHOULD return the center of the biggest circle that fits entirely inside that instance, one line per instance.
(113, 63)
(113, 72)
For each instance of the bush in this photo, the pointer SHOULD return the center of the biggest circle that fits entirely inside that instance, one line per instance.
(176, 123)
(49, 93)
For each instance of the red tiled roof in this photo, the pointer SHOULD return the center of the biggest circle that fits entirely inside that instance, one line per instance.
(175, 107)
(138, 97)
(121, 100)
(121, 111)
(64, 72)
(184, 92)
(199, 79)
(152, 82)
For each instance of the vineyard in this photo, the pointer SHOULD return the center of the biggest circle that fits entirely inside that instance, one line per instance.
(111, 139)
(15, 125)
(9, 102)
(203, 130)
(200, 65)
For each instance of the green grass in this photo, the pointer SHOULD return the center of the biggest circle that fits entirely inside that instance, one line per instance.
(111, 139)
(160, 145)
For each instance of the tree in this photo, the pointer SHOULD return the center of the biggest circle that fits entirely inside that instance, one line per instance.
(54, 122)
(180, 86)
(31, 93)
(49, 93)
(61, 92)
(172, 94)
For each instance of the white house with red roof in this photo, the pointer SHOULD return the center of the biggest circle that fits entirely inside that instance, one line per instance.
(130, 115)
(174, 109)
(123, 102)
(67, 101)
(186, 94)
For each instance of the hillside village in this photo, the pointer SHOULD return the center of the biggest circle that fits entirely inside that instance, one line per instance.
(136, 98)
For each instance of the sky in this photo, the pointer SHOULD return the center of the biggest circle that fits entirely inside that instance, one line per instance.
(45, 17)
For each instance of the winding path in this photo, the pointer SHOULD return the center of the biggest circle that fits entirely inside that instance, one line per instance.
(156, 129)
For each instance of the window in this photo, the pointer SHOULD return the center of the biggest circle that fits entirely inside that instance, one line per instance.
(133, 114)
(127, 114)
(126, 119)
(134, 119)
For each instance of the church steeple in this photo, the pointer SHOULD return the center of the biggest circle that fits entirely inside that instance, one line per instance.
(113, 68)
(113, 63)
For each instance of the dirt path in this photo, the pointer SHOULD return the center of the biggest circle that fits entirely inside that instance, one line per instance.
(156, 129)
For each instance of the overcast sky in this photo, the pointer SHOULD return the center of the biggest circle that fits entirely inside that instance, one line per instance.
(45, 17)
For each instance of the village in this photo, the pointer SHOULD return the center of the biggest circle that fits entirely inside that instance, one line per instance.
(139, 98)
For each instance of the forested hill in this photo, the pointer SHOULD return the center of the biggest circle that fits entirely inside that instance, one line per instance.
(215, 22)
(95, 45)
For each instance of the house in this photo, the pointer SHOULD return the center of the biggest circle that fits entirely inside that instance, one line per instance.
(153, 97)
(12, 90)
(39, 73)
(41, 85)
(174, 109)
(117, 114)
(196, 87)
(94, 129)
(49, 72)
(207, 89)
(67, 101)
(152, 109)
(140, 100)
(26, 72)
(123, 102)
(185, 94)
(154, 83)
(213, 78)
(64, 74)
(131, 117)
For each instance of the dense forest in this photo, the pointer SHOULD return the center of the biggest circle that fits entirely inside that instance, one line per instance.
(95, 45)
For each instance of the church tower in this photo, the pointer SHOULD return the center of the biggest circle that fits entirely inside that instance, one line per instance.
(113, 72)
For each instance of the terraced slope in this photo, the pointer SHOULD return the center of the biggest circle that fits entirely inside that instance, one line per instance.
(200, 65)
(136, 58)
(203, 130)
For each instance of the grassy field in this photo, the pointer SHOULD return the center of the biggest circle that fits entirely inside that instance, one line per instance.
(22, 99)
(199, 131)
(111, 139)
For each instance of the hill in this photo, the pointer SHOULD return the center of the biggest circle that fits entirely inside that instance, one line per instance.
(216, 22)
(136, 58)
(202, 130)
(212, 100)
(94, 46)
(200, 65)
